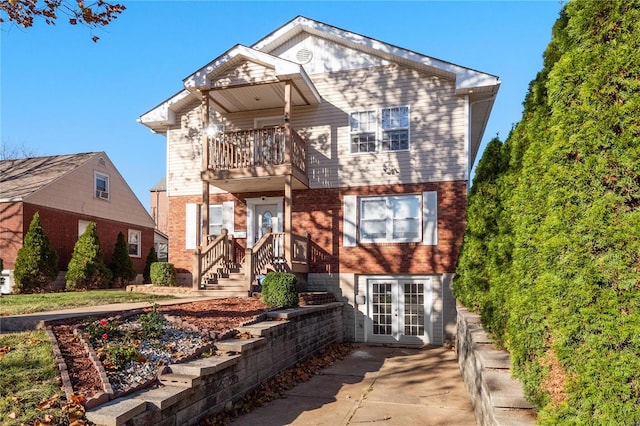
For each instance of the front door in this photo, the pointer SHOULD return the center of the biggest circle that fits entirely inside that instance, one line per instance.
(399, 310)
(266, 217)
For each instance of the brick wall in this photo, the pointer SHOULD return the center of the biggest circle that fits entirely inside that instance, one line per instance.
(61, 227)
(239, 366)
(319, 212)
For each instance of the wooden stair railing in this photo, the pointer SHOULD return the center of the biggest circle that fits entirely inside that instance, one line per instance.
(216, 257)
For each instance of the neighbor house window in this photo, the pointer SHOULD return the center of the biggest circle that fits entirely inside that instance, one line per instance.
(391, 218)
(82, 226)
(101, 184)
(383, 130)
(134, 242)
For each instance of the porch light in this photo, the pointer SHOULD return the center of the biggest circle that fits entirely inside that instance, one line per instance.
(212, 130)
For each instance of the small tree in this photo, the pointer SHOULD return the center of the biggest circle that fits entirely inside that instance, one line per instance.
(37, 262)
(86, 268)
(121, 264)
(152, 257)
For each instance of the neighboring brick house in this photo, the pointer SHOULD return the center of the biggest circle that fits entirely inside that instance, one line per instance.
(69, 191)
(354, 153)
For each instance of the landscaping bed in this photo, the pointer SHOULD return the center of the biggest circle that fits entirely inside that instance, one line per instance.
(130, 353)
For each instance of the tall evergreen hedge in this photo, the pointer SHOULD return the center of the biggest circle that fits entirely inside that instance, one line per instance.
(87, 269)
(122, 269)
(37, 262)
(561, 289)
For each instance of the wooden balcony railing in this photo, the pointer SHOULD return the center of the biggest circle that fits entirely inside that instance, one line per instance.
(263, 147)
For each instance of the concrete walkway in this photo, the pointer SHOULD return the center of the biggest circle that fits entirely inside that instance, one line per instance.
(376, 385)
(14, 323)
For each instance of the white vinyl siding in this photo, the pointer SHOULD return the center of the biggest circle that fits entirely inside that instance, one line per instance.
(436, 128)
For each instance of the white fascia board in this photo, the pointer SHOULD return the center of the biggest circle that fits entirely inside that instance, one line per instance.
(200, 79)
(163, 115)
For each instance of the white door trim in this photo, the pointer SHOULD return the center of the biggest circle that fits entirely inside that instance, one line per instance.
(367, 308)
(251, 212)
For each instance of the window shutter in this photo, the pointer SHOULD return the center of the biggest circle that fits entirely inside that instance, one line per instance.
(349, 215)
(430, 218)
(191, 226)
(228, 216)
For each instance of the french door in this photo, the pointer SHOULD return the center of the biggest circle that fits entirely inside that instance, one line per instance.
(399, 310)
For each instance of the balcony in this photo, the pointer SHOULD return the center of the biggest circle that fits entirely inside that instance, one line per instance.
(256, 160)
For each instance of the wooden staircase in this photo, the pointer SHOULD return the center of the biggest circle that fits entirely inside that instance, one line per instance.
(225, 284)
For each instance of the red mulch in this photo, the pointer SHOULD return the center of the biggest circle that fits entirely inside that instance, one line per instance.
(217, 315)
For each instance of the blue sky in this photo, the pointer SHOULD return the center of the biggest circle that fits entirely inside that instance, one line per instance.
(61, 93)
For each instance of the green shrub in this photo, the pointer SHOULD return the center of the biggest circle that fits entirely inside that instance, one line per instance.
(121, 264)
(163, 274)
(87, 269)
(279, 290)
(151, 258)
(37, 262)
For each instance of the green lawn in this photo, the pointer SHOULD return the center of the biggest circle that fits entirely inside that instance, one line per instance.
(29, 380)
(16, 304)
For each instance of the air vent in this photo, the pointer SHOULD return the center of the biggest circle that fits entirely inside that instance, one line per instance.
(304, 55)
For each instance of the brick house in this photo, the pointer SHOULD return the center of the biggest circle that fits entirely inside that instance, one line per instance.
(69, 191)
(159, 210)
(332, 155)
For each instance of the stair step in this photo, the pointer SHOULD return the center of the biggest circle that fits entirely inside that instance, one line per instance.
(179, 380)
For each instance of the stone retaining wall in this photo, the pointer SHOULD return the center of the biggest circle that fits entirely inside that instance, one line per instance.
(202, 387)
(497, 398)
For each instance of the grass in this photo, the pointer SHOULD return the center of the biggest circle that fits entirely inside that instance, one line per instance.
(29, 381)
(17, 304)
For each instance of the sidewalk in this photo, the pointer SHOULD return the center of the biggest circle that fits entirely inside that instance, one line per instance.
(10, 324)
(376, 385)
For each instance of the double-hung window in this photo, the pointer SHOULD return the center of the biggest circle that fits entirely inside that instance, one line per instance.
(215, 219)
(363, 131)
(395, 129)
(134, 242)
(384, 130)
(396, 218)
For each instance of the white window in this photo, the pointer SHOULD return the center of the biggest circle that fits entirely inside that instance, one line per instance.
(101, 185)
(389, 133)
(395, 129)
(363, 131)
(82, 226)
(391, 218)
(215, 219)
(134, 242)
(221, 215)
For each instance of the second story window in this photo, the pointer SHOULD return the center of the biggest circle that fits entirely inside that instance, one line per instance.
(363, 131)
(101, 185)
(384, 130)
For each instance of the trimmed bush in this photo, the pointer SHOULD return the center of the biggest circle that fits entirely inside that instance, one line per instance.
(163, 274)
(37, 262)
(151, 258)
(121, 264)
(86, 269)
(279, 290)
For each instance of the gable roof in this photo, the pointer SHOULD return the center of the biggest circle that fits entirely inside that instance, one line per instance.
(466, 78)
(22, 177)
